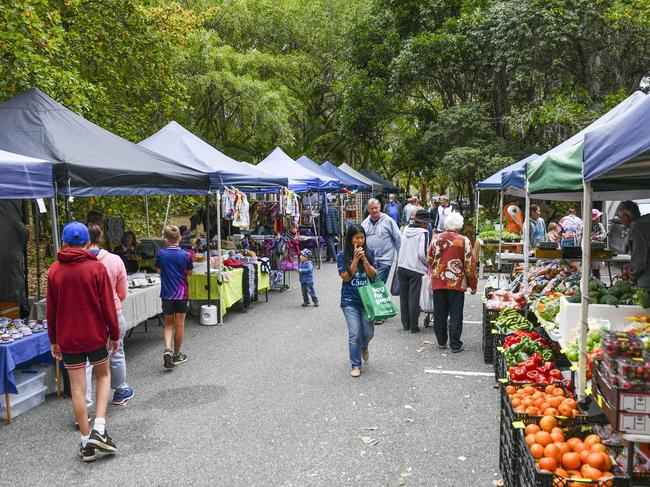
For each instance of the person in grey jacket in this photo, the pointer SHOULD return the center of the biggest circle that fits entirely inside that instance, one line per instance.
(630, 216)
(412, 264)
(382, 237)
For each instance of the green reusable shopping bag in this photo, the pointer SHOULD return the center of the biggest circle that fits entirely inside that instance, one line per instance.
(376, 301)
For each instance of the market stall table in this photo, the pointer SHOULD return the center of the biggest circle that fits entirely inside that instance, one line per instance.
(140, 305)
(26, 349)
(232, 290)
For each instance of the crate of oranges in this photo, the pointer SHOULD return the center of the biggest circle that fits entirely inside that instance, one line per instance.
(552, 456)
(528, 403)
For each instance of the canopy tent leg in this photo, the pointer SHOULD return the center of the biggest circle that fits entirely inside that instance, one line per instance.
(37, 238)
(584, 291)
(313, 221)
(219, 259)
(169, 202)
(526, 234)
(342, 217)
(207, 257)
(478, 200)
(55, 226)
(500, 238)
(146, 210)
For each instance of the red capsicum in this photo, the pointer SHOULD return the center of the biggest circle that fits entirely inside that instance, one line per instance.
(531, 375)
(519, 374)
(547, 367)
(530, 365)
(556, 374)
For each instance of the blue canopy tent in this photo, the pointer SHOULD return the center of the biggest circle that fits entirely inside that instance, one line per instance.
(25, 177)
(327, 181)
(347, 181)
(89, 160)
(617, 154)
(190, 151)
(301, 180)
(389, 187)
(178, 143)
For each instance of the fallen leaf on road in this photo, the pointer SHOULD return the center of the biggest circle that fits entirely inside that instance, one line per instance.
(462, 459)
(371, 428)
(421, 349)
(408, 406)
(498, 483)
(426, 342)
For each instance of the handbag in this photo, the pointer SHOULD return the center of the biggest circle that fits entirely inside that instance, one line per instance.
(394, 284)
(426, 295)
(376, 301)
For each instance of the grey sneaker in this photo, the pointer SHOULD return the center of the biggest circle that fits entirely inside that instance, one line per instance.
(168, 359)
(181, 358)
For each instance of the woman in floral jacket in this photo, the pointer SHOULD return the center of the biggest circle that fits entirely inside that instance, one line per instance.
(453, 270)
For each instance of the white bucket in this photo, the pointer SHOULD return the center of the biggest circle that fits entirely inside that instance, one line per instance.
(209, 315)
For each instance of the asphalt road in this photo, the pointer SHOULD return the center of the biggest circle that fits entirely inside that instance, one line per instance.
(267, 400)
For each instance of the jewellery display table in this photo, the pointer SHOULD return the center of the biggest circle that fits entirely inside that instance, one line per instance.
(26, 349)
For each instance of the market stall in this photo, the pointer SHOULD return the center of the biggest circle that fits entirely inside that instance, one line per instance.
(602, 330)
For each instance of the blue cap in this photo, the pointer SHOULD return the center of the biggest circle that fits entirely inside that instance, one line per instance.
(75, 233)
(306, 253)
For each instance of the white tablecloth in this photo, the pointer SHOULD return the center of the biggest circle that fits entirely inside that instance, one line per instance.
(139, 305)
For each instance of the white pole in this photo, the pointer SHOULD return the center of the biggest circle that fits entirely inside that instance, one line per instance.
(219, 259)
(526, 234)
(169, 202)
(146, 210)
(478, 200)
(500, 236)
(584, 290)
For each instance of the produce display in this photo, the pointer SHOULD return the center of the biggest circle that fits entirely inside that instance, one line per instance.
(549, 400)
(626, 357)
(547, 276)
(572, 458)
(500, 300)
(536, 369)
(510, 320)
(492, 235)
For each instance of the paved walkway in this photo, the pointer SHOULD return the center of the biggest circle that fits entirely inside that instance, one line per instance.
(267, 400)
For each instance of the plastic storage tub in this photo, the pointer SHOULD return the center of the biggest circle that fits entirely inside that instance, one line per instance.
(27, 381)
(22, 403)
(569, 316)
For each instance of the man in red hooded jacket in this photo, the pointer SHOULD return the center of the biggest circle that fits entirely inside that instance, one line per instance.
(81, 320)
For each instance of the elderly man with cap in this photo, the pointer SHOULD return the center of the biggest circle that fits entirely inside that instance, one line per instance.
(412, 264)
(382, 237)
(630, 216)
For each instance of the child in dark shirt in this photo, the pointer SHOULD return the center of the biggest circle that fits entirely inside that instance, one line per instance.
(306, 270)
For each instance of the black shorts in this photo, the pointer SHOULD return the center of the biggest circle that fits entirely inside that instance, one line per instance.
(78, 360)
(173, 306)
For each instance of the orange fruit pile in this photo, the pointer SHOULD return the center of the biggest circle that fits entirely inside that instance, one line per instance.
(549, 401)
(573, 458)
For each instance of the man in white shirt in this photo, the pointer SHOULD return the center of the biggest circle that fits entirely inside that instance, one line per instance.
(444, 210)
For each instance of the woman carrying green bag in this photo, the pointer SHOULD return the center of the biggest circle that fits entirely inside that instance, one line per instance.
(355, 265)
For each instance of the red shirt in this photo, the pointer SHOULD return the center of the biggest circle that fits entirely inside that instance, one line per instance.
(454, 265)
(80, 308)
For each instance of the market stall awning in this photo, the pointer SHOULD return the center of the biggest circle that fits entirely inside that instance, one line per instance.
(300, 179)
(508, 176)
(327, 181)
(561, 176)
(88, 160)
(346, 180)
(388, 186)
(617, 154)
(178, 143)
(376, 187)
(25, 177)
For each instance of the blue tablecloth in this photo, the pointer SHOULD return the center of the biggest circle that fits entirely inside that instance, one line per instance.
(19, 352)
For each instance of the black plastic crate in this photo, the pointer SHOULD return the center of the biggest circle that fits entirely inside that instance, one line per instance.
(530, 476)
(507, 453)
(488, 338)
(510, 413)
